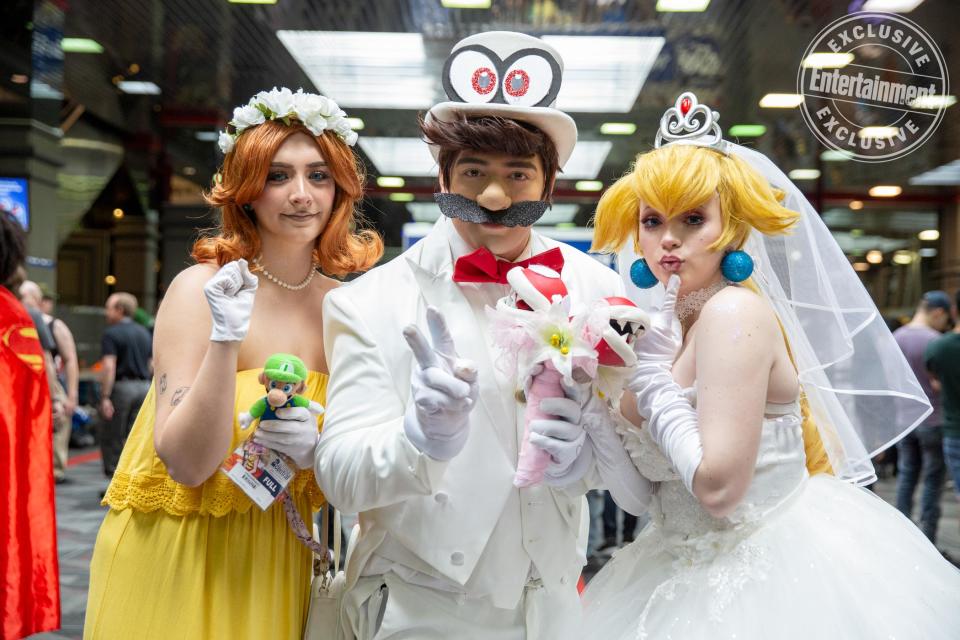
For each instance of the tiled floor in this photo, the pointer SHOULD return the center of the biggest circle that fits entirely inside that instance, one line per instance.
(79, 514)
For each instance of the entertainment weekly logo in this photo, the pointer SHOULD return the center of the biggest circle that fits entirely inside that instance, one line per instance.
(894, 83)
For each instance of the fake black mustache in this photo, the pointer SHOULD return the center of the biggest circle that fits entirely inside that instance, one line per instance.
(519, 214)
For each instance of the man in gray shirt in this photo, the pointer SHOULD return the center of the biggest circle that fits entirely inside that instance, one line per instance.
(921, 450)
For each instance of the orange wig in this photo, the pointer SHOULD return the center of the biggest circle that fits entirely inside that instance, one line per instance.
(341, 248)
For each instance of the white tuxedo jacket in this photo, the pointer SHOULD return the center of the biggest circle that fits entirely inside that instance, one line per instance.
(461, 520)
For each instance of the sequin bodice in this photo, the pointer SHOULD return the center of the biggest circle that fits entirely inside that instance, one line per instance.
(780, 469)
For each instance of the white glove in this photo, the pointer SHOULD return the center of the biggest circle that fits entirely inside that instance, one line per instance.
(294, 434)
(230, 295)
(563, 437)
(671, 419)
(444, 391)
(245, 419)
(620, 476)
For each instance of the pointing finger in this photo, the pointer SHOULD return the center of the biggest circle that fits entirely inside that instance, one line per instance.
(670, 299)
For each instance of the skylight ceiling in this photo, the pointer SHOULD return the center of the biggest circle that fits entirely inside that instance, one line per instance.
(376, 70)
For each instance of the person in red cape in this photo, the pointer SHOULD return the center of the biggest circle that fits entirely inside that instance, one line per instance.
(30, 594)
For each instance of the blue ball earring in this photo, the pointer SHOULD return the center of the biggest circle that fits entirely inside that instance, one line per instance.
(641, 275)
(736, 266)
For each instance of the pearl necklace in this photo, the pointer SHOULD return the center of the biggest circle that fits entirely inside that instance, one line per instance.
(292, 287)
(694, 301)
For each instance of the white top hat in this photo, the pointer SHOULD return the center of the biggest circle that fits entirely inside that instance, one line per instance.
(507, 74)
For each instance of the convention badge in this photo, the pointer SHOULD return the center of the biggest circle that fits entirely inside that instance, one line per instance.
(261, 473)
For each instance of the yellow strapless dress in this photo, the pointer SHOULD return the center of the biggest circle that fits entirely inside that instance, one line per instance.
(204, 562)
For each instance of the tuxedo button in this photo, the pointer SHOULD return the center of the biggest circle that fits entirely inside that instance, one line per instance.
(456, 558)
(441, 497)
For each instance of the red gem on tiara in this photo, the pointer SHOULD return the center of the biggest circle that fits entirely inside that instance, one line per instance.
(685, 105)
(484, 80)
(517, 83)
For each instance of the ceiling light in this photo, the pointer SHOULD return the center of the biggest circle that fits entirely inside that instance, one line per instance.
(402, 197)
(465, 4)
(390, 182)
(885, 191)
(80, 45)
(861, 266)
(366, 69)
(929, 235)
(747, 130)
(355, 123)
(933, 102)
(588, 185)
(877, 132)
(827, 60)
(138, 87)
(928, 252)
(411, 157)
(781, 100)
(603, 74)
(618, 128)
(804, 174)
(874, 257)
(856, 205)
(893, 6)
(903, 257)
(19, 78)
(118, 213)
(206, 136)
(944, 175)
(110, 280)
(665, 6)
(833, 155)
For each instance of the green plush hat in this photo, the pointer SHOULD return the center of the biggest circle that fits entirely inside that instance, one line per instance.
(285, 367)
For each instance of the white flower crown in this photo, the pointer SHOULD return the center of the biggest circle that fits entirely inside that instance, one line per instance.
(316, 112)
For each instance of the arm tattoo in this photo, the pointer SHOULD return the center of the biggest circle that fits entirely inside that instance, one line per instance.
(178, 396)
(162, 384)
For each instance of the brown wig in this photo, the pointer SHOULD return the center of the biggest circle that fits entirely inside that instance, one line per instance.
(341, 249)
(491, 134)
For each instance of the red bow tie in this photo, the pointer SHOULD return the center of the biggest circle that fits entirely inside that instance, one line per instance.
(483, 266)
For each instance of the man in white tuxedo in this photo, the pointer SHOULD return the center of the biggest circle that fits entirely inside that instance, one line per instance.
(421, 436)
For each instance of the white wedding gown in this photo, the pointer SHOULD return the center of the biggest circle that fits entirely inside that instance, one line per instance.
(800, 557)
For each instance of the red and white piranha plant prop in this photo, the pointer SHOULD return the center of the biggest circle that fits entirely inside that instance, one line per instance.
(544, 347)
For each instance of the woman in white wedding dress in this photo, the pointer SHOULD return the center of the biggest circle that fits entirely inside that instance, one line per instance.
(744, 541)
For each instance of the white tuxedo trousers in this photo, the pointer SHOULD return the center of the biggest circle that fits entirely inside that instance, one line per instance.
(386, 607)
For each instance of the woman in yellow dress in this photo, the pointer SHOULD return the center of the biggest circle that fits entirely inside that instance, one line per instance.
(183, 552)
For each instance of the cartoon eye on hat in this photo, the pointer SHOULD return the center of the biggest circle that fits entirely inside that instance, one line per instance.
(528, 77)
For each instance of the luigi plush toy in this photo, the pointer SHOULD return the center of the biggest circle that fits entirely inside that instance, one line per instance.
(283, 378)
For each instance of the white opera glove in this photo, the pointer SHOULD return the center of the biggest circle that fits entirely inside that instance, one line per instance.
(620, 476)
(230, 294)
(444, 389)
(671, 419)
(294, 433)
(563, 436)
